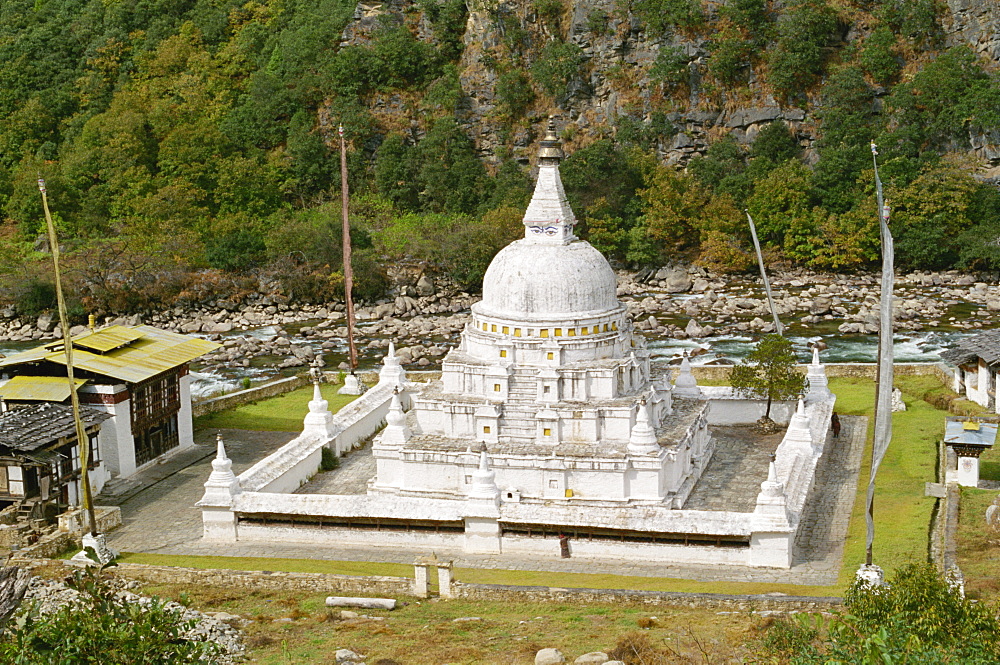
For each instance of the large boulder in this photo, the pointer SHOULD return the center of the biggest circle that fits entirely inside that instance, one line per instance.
(45, 322)
(549, 657)
(677, 281)
(695, 329)
(820, 305)
(592, 658)
(425, 286)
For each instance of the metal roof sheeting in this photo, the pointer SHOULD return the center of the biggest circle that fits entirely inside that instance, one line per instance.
(153, 352)
(38, 388)
(956, 433)
(107, 339)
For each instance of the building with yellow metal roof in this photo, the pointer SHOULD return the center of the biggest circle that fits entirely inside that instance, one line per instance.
(137, 374)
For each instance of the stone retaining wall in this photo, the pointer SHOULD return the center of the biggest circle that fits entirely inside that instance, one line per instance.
(860, 370)
(232, 400)
(272, 581)
(394, 587)
(47, 547)
(502, 592)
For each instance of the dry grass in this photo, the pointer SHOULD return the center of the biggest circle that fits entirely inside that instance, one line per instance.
(289, 627)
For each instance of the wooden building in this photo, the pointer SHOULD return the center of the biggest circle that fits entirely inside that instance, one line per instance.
(40, 455)
(136, 374)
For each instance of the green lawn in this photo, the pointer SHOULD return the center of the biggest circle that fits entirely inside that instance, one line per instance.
(283, 413)
(902, 512)
(978, 545)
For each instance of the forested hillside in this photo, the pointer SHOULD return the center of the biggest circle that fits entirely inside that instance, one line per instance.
(190, 146)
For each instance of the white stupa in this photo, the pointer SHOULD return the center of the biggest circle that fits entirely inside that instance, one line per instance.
(551, 377)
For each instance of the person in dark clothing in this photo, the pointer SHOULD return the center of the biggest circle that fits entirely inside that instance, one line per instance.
(835, 425)
(564, 546)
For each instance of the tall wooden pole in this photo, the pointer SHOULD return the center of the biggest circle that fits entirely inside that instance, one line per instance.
(348, 271)
(83, 443)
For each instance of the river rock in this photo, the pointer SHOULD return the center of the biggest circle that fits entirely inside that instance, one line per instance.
(549, 657)
(820, 306)
(592, 658)
(695, 329)
(425, 286)
(45, 322)
(220, 327)
(348, 656)
(677, 281)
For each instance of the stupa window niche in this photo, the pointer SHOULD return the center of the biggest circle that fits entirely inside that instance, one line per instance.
(506, 330)
(558, 332)
(550, 356)
(503, 353)
(517, 332)
(544, 332)
(572, 332)
(583, 331)
(496, 387)
(493, 328)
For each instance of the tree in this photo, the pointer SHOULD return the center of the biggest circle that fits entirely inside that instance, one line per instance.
(768, 371)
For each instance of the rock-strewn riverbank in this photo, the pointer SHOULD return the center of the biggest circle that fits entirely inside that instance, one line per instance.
(425, 318)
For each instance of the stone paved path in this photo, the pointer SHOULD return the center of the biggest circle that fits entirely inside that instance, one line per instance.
(162, 518)
(159, 510)
(734, 474)
(356, 468)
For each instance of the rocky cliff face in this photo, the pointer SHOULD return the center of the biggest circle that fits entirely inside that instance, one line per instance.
(614, 83)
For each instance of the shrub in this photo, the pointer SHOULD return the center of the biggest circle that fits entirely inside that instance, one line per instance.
(916, 618)
(36, 297)
(329, 460)
(878, 57)
(557, 64)
(514, 92)
(106, 628)
(663, 15)
(796, 61)
(670, 67)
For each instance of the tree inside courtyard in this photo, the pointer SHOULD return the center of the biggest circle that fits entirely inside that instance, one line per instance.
(768, 372)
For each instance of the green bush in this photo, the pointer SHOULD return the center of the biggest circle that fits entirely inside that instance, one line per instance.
(796, 60)
(914, 19)
(106, 629)
(916, 618)
(878, 57)
(514, 92)
(36, 297)
(663, 15)
(329, 460)
(557, 64)
(670, 67)
(730, 56)
(598, 22)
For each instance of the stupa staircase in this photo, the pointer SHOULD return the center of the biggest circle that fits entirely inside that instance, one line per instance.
(517, 423)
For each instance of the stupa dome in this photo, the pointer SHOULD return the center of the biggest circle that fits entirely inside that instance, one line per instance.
(535, 281)
(550, 274)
